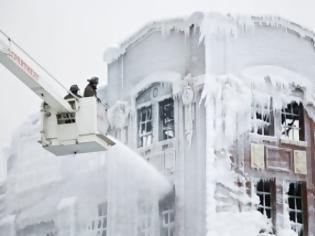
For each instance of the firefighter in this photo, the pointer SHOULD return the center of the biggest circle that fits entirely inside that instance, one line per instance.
(90, 89)
(74, 89)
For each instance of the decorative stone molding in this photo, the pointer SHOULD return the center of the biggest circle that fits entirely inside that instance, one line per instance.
(278, 159)
(257, 156)
(300, 164)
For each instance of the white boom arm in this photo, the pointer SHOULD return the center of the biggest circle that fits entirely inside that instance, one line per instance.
(32, 74)
(66, 129)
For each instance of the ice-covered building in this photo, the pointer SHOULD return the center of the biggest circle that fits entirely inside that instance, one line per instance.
(199, 95)
(221, 105)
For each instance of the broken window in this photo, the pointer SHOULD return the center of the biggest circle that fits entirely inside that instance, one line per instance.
(292, 122)
(295, 202)
(145, 131)
(262, 119)
(264, 192)
(166, 108)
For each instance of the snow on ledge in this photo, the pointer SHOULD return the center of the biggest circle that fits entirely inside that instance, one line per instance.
(172, 77)
(214, 19)
(293, 142)
(113, 53)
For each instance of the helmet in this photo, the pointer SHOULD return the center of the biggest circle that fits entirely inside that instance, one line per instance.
(74, 88)
(93, 80)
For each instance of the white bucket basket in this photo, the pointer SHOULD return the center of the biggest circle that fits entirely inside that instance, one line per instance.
(78, 132)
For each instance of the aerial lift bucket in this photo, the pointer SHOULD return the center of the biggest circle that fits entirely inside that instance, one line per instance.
(81, 131)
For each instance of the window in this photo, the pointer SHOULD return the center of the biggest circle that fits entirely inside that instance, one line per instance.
(167, 214)
(295, 202)
(292, 122)
(145, 132)
(155, 114)
(168, 222)
(264, 192)
(99, 225)
(262, 119)
(65, 118)
(166, 109)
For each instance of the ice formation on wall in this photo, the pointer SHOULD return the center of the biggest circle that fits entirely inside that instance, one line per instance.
(118, 115)
(216, 24)
(212, 22)
(228, 108)
(228, 101)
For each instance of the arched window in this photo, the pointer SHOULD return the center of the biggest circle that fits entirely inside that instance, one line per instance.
(155, 114)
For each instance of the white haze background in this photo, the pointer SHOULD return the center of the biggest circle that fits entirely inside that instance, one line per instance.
(69, 38)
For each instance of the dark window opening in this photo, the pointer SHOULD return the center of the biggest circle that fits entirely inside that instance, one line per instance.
(292, 122)
(264, 192)
(296, 209)
(166, 109)
(145, 129)
(167, 215)
(65, 118)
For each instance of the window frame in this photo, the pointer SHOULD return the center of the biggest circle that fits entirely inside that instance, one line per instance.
(264, 118)
(295, 225)
(285, 128)
(163, 127)
(155, 104)
(144, 136)
(264, 193)
(169, 226)
(250, 188)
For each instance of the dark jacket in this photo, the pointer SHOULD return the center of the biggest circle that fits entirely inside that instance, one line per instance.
(68, 96)
(89, 91)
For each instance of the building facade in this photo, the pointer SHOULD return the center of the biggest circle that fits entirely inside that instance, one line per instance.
(161, 71)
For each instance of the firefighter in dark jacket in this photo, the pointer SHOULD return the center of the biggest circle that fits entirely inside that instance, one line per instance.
(74, 89)
(90, 89)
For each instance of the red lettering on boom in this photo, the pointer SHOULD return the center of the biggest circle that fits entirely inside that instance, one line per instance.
(22, 64)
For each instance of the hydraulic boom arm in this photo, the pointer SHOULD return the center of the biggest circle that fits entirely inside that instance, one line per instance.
(32, 74)
(66, 129)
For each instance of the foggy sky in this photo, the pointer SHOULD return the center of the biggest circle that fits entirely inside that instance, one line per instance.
(68, 37)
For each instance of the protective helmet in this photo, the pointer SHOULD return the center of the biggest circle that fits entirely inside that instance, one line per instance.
(74, 88)
(93, 80)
